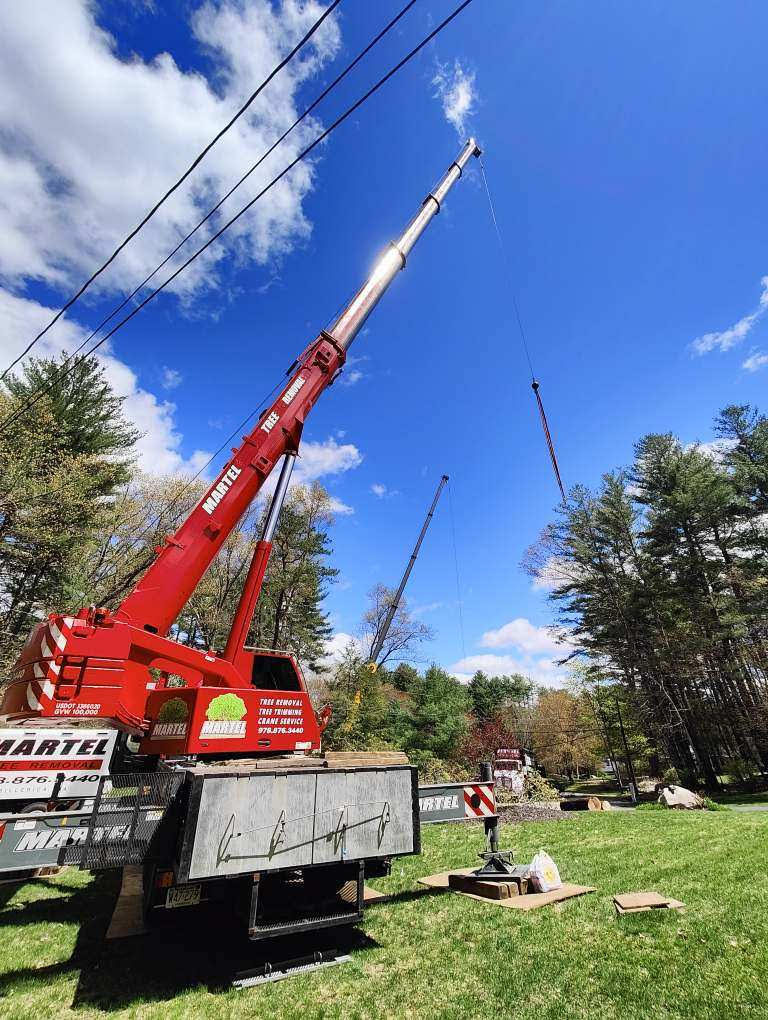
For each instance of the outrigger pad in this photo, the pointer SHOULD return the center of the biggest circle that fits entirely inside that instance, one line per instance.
(527, 902)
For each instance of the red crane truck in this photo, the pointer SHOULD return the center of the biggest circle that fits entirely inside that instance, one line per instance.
(131, 748)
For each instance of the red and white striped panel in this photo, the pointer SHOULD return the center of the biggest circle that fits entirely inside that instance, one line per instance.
(55, 636)
(479, 801)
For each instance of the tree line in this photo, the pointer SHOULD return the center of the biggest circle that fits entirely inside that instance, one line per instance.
(79, 523)
(660, 578)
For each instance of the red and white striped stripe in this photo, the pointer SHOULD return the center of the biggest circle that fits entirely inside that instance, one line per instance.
(479, 801)
(46, 672)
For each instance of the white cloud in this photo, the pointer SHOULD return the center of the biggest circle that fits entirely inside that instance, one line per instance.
(755, 361)
(733, 335)
(351, 376)
(430, 607)
(339, 507)
(381, 491)
(716, 449)
(542, 671)
(534, 653)
(159, 448)
(171, 378)
(319, 460)
(555, 571)
(336, 646)
(521, 633)
(455, 88)
(90, 140)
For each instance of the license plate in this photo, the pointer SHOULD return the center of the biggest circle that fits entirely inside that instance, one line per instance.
(183, 896)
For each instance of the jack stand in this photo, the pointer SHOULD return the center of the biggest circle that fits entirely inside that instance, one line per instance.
(499, 867)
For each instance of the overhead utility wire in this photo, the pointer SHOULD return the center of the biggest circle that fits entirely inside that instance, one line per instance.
(534, 382)
(321, 137)
(198, 159)
(222, 200)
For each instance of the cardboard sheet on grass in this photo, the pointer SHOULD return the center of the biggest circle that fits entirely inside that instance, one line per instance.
(635, 903)
(527, 902)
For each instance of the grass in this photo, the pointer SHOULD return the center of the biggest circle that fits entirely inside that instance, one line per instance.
(442, 956)
(598, 788)
(741, 798)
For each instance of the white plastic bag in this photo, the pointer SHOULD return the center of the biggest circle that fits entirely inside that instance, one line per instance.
(543, 873)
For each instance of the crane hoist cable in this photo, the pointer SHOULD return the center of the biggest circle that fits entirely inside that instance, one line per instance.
(459, 602)
(174, 187)
(302, 155)
(268, 152)
(535, 386)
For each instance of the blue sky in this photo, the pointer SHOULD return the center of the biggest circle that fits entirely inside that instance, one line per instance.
(625, 148)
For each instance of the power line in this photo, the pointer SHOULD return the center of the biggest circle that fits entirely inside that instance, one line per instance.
(223, 199)
(321, 137)
(198, 159)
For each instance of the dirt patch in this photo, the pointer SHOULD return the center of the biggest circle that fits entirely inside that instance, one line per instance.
(532, 812)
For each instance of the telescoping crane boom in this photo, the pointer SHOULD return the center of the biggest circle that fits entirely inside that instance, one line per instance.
(111, 668)
(381, 636)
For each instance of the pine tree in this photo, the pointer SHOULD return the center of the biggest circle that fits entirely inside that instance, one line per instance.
(63, 458)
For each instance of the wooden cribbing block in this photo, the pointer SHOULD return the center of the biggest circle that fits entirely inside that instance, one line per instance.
(529, 901)
(344, 759)
(490, 890)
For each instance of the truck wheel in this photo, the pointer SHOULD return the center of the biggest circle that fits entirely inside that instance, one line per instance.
(33, 807)
(25, 875)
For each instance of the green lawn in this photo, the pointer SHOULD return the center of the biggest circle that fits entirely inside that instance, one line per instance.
(598, 788)
(443, 955)
(741, 798)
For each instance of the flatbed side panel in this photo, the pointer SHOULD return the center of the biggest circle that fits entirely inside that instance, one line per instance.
(256, 822)
(259, 821)
(363, 813)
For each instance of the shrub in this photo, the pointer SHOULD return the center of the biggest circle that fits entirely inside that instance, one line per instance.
(671, 777)
(712, 805)
(535, 787)
(433, 770)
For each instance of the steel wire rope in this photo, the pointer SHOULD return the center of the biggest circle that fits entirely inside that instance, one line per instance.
(534, 383)
(198, 159)
(321, 137)
(456, 569)
(302, 116)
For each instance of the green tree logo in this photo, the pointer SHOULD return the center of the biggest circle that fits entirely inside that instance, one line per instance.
(225, 707)
(173, 710)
